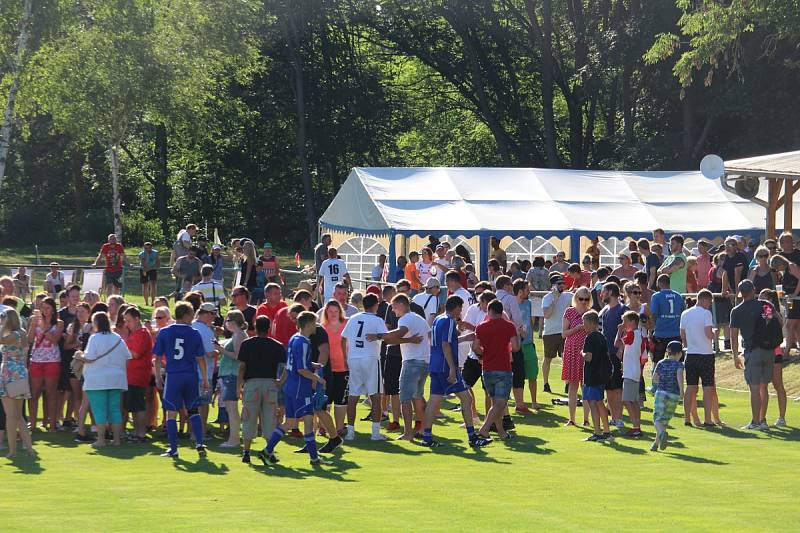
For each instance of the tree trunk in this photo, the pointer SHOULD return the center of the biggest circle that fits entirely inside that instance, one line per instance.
(160, 183)
(8, 116)
(300, 126)
(115, 201)
(547, 80)
(76, 164)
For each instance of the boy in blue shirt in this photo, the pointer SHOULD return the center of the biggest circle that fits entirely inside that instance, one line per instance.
(298, 390)
(668, 386)
(182, 347)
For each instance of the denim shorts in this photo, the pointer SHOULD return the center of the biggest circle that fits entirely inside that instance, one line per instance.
(412, 379)
(497, 384)
(230, 392)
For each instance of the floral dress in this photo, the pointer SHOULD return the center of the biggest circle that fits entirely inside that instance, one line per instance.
(572, 369)
(13, 367)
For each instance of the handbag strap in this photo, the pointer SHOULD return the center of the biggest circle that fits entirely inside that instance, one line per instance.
(106, 352)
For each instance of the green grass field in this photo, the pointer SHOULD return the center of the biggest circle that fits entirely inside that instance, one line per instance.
(547, 478)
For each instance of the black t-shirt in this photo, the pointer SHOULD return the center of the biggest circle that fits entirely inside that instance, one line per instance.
(68, 318)
(249, 317)
(597, 371)
(318, 338)
(391, 323)
(730, 263)
(261, 356)
(652, 261)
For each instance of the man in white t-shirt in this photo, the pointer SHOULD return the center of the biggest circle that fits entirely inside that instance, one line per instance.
(429, 300)
(332, 271)
(183, 243)
(340, 294)
(453, 282)
(379, 269)
(414, 369)
(697, 334)
(554, 304)
(363, 358)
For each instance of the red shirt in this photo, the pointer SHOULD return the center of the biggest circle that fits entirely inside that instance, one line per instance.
(283, 328)
(113, 254)
(575, 280)
(495, 337)
(270, 312)
(140, 369)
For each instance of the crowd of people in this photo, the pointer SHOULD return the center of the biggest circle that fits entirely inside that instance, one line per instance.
(102, 370)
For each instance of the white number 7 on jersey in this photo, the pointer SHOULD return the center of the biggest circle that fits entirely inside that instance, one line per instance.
(178, 349)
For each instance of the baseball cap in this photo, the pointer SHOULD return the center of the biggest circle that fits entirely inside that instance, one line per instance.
(556, 278)
(216, 247)
(374, 289)
(674, 347)
(208, 307)
(267, 244)
(432, 283)
(439, 247)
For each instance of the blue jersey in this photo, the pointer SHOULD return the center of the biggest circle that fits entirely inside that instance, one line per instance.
(299, 358)
(181, 345)
(666, 307)
(443, 331)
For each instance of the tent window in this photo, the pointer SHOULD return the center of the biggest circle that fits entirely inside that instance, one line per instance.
(524, 248)
(360, 254)
(610, 250)
(459, 241)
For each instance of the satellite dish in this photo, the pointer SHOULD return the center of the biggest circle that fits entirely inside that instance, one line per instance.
(747, 187)
(712, 167)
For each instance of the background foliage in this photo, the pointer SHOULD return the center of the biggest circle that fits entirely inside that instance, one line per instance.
(247, 115)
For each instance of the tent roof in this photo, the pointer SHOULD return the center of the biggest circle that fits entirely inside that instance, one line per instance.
(785, 165)
(527, 201)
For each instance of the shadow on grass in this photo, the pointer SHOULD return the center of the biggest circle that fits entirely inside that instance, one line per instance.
(525, 443)
(784, 433)
(25, 464)
(694, 459)
(202, 465)
(335, 471)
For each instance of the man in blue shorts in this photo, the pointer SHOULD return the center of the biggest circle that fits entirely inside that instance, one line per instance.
(298, 390)
(182, 347)
(445, 374)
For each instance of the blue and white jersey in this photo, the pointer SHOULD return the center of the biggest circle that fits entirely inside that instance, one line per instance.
(666, 307)
(443, 331)
(299, 358)
(180, 345)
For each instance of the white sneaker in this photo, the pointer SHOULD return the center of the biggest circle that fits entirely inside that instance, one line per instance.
(619, 424)
(780, 422)
(350, 435)
(763, 426)
(379, 436)
(751, 425)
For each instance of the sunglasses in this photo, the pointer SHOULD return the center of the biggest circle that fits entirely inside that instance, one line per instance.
(161, 318)
(584, 299)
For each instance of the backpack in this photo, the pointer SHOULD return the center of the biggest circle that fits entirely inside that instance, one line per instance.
(768, 333)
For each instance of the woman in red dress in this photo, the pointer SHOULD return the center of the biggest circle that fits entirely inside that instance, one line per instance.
(574, 335)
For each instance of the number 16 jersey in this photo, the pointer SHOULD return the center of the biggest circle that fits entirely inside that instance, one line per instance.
(181, 345)
(332, 272)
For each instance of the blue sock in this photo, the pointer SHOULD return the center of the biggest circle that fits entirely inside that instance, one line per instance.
(172, 434)
(470, 431)
(311, 443)
(427, 435)
(197, 429)
(274, 439)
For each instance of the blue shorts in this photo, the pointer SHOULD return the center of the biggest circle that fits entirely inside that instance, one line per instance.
(298, 407)
(413, 374)
(593, 393)
(498, 384)
(441, 387)
(230, 392)
(181, 390)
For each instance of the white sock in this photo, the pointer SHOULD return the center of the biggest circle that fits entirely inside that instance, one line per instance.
(376, 429)
(350, 428)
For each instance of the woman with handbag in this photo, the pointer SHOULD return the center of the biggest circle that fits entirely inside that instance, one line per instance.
(105, 377)
(14, 386)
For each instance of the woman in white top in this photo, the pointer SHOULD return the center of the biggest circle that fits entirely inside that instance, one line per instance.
(105, 377)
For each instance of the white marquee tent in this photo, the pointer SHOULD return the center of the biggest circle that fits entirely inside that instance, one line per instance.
(520, 202)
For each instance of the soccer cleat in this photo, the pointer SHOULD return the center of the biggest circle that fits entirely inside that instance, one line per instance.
(267, 458)
(170, 454)
(246, 457)
(202, 451)
(331, 445)
(508, 424)
(304, 449)
(320, 461)
(431, 443)
(479, 441)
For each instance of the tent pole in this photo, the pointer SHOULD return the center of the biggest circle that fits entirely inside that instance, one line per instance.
(392, 259)
(772, 205)
(483, 257)
(788, 204)
(575, 248)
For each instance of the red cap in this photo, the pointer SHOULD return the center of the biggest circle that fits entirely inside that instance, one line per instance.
(374, 289)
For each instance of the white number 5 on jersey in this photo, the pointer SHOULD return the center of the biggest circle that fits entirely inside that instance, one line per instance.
(178, 349)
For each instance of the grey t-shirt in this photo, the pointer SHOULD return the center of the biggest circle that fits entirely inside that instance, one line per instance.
(320, 255)
(744, 317)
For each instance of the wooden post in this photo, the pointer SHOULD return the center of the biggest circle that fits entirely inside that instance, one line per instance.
(772, 206)
(788, 204)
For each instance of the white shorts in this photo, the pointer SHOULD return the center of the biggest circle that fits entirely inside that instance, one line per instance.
(365, 376)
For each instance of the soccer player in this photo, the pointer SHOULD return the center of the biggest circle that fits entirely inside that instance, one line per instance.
(332, 271)
(445, 375)
(182, 347)
(298, 391)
